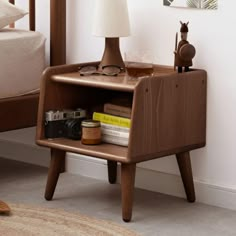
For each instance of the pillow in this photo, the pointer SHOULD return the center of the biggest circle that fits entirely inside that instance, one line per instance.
(9, 13)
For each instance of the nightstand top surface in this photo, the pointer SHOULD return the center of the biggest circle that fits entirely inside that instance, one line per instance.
(121, 82)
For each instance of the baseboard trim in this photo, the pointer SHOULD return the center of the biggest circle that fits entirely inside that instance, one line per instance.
(165, 183)
(221, 196)
(25, 153)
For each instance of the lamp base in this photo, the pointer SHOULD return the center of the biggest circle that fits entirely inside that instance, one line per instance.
(112, 55)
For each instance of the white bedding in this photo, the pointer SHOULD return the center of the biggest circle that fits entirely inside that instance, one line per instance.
(22, 61)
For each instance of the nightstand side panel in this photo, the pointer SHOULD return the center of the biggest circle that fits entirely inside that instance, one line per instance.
(169, 115)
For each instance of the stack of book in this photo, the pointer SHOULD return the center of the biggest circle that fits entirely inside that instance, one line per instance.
(115, 123)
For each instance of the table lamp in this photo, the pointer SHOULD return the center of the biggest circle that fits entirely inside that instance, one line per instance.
(111, 21)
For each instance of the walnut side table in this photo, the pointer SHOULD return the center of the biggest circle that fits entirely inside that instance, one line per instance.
(168, 117)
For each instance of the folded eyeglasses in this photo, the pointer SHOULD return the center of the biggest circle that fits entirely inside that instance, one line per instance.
(110, 70)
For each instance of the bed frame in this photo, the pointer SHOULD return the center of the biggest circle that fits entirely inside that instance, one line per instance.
(21, 112)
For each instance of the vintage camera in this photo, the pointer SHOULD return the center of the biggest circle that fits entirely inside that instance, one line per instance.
(65, 123)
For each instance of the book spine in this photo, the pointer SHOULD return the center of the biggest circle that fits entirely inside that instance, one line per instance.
(110, 119)
(114, 127)
(117, 110)
(115, 140)
(115, 133)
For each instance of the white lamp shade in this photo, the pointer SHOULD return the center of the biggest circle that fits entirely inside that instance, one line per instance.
(111, 18)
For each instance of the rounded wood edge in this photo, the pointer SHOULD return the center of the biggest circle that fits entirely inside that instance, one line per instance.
(4, 208)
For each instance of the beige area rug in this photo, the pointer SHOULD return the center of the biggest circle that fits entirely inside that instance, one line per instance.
(27, 220)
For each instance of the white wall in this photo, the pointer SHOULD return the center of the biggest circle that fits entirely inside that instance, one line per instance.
(153, 28)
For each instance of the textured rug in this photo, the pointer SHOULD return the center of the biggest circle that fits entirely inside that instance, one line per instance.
(27, 220)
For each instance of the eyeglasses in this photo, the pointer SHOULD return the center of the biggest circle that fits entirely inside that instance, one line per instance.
(106, 70)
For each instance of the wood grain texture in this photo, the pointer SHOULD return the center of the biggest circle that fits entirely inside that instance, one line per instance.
(56, 166)
(20, 112)
(47, 97)
(32, 22)
(120, 82)
(57, 32)
(58, 96)
(112, 55)
(185, 168)
(104, 151)
(169, 112)
(26, 107)
(127, 190)
(168, 117)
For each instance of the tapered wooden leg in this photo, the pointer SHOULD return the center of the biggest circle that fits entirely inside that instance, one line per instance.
(112, 171)
(185, 168)
(56, 167)
(127, 189)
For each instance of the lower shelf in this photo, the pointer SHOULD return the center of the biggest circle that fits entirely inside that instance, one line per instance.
(105, 150)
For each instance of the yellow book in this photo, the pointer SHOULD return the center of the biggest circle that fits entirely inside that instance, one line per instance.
(113, 120)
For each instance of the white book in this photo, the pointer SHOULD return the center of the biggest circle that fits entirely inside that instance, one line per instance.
(114, 127)
(115, 140)
(117, 133)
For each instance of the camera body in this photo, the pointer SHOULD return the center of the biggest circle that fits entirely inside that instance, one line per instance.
(65, 123)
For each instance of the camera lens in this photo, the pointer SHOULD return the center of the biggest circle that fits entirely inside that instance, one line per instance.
(73, 128)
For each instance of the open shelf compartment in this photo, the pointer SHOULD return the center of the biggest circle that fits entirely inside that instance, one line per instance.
(168, 110)
(104, 150)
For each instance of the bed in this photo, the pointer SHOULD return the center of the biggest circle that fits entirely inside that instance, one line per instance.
(19, 103)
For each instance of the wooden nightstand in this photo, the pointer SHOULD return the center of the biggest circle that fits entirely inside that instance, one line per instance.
(168, 117)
